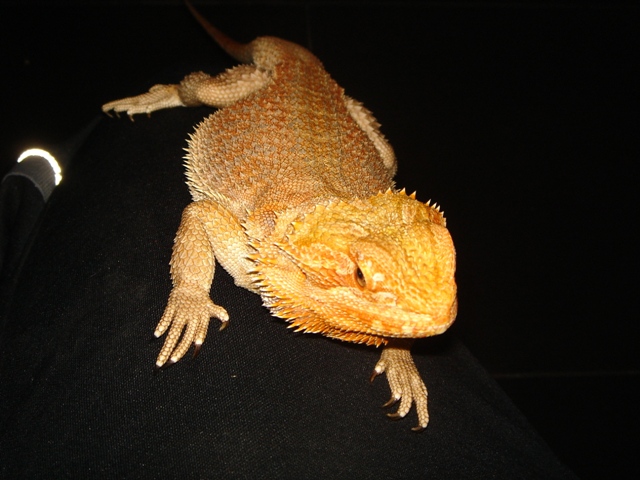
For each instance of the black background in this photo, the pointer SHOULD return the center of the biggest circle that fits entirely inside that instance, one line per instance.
(521, 120)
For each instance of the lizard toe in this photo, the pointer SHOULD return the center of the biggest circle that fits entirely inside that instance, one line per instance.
(405, 383)
(186, 321)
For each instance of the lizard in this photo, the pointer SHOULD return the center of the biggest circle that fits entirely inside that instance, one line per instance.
(293, 195)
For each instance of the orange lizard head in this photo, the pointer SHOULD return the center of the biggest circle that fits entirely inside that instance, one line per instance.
(363, 270)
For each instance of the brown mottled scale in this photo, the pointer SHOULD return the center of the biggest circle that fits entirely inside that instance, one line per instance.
(292, 142)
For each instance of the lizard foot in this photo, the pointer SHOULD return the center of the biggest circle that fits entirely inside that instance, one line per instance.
(186, 317)
(158, 97)
(405, 382)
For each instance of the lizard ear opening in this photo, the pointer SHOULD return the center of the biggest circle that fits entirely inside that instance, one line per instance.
(360, 279)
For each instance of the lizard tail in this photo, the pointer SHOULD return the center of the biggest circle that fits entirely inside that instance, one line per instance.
(239, 51)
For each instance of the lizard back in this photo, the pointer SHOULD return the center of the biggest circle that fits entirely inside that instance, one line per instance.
(291, 141)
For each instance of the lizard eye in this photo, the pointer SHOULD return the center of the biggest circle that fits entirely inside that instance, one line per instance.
(360, 277)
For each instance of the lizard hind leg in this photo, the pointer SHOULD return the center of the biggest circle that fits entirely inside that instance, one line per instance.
(225, 89)
(195, 89)
(404, 380)
(369, 125)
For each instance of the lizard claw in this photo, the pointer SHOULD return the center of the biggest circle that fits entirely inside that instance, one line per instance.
(392, 401)
(158, 368)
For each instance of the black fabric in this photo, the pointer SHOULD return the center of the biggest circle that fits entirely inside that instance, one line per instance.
(79, 398)
(20, 206)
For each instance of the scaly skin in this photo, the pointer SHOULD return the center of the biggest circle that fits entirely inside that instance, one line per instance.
(293, 195)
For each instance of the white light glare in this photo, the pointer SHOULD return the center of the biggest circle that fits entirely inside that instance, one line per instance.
(37, 152)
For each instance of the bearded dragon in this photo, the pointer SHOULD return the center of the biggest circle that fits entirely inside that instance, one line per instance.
(293, 194)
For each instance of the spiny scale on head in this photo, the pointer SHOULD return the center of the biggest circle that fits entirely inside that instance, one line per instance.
(305, 326)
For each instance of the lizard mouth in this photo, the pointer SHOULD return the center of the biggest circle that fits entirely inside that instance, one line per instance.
(342, 315)
(395, 321)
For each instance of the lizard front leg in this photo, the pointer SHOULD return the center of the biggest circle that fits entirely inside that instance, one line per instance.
(207, 230)
(404, 381)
